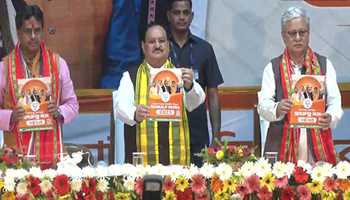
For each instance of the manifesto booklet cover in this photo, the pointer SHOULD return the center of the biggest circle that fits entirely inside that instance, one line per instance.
(35, 94)
(165, 95)
(308, 97)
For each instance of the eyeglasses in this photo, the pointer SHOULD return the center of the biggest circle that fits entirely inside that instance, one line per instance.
(294, 34)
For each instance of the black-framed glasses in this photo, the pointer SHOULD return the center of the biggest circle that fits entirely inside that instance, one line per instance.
(295, 33)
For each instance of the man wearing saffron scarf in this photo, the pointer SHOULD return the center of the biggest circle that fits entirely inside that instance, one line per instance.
(293, 144)
(32, 59)
(162, 142)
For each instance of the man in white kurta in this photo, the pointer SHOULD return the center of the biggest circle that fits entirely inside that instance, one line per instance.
(274, 105)
(156, 49)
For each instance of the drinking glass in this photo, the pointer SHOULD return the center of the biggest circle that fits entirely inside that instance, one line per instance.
(272, 157)
(138, 158)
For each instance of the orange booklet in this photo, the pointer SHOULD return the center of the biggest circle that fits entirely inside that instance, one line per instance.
(35, 94)
(308, 97)
(165, 95)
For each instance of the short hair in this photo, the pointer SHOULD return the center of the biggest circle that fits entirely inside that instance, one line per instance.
(292, 13)
(149, 26)
(27, 12)
(171, 3)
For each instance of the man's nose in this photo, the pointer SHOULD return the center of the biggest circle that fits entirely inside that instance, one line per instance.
(298, 36)
(32, 34)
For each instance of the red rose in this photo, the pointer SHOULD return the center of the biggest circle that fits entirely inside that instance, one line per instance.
(288, 193)
(139, 186)
(231, 149)
(33, 185)
(85, 187)
(9, 156)
(300, 175)
(61, 184)
(110, 195)
(99, 196)
(92, 185)
(212, 150)
(264, 193)
(49, 195)
(185, 195)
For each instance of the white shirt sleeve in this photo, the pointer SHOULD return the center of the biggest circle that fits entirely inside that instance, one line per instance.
(334, 107)
(125, 108)
(124, 101)
(266, 97)
(194, 97)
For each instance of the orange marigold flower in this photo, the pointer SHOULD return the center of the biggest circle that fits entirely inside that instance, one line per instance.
(343, 184)
(216, 184)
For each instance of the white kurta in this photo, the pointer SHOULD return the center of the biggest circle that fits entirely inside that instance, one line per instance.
(267, 105)
(125, 106)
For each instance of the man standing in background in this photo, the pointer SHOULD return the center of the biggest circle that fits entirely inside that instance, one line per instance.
(188, 50)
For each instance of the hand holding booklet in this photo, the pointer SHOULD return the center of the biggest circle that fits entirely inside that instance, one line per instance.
(34, 96)
(165, 95)
(308, 97)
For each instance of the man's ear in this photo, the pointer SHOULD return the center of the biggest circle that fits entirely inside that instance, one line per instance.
(192, 15)
(143, 47)
(168, 15)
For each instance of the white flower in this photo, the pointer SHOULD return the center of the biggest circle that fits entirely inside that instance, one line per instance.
(76, 185)
(36, 172)
(88, 172)
(115, 170)
(193, 170)
(10, 173)
(102, 185)
(189, 172)
(262, 167)
(306, 166)
(101, 171)
(175, 171)
(45, 186)
(17, 173)
(129, 183)
(49, 173)
(207, 170)
(9, 183)
(21, 188)
(280, 169)
(236, 196)
(159, 170)
(128, 170)
(342, 170)
(140, 171)
(290, 169)
(69, 170)
(77, 157)
(321, 171)
(246, 170)
(224, 171)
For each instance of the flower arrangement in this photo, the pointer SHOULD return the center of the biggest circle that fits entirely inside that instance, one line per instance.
(253, 180)
(227, 153)
(10, 159)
